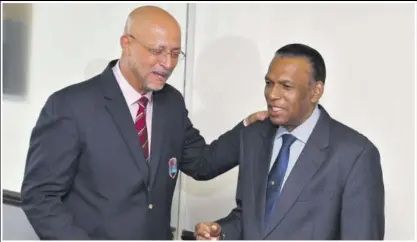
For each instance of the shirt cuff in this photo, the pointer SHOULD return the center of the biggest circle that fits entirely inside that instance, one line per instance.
(245, 123)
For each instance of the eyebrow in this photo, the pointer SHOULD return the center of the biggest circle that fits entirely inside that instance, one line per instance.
(164, 47)
(267, 78)
(285, 81)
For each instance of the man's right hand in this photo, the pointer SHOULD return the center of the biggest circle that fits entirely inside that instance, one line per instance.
(207, 231)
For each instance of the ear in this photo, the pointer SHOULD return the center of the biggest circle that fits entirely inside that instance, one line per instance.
(124, 41)
(317, 90)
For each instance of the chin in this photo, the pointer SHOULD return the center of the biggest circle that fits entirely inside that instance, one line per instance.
(278, 120)
(155, 87)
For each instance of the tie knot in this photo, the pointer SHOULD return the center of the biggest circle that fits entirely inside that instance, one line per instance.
(143, 101)
(288, 139)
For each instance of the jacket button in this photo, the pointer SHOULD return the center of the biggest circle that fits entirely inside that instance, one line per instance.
(150, 206)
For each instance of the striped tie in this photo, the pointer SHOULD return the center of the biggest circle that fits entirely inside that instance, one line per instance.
(140, 123)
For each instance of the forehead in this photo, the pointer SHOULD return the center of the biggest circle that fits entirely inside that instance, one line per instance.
(162, 35)
(291, 68)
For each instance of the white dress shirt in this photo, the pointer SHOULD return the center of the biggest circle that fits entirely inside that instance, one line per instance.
(132, 97)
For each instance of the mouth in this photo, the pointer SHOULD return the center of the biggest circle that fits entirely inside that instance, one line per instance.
(161, 76)
(275, 110)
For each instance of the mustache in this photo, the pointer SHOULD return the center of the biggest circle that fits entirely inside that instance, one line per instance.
(162, 72)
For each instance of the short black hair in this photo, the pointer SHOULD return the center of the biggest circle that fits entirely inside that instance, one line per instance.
(313, 56)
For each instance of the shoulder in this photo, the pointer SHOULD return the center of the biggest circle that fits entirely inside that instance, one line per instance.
(171, 92)
(260, 128)
(77, 91)
(172, 96)
(350, 138)
(78, 96)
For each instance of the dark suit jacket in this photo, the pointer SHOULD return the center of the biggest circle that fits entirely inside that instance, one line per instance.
(335, 190)
(86, 177)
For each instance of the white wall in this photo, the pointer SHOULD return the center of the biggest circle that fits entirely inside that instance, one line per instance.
(369, 52)
(69, 43)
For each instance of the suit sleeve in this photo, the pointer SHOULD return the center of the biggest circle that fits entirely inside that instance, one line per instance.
(362, 215)
(231, 225)
(205, 162)
(50, 168)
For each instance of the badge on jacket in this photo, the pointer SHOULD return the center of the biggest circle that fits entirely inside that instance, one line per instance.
(172, 164)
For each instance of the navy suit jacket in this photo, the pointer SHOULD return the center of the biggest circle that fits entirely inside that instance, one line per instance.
(335, 190)
(86, 177)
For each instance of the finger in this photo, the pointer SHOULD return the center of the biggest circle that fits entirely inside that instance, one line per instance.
(202, 236)
(263, 115)
(215, 230)
(203, 233)
(258, 117)
(203, 228)
(198, 237)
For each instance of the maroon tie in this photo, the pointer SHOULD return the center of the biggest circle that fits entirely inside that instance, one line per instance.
(140, 123)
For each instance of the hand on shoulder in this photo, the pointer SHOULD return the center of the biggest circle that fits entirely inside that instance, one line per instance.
(257, 116)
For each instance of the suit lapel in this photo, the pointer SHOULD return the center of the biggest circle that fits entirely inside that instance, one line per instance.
(302, 172)
(308, 163)
(158, 125)
(264, 142)
(119, 111)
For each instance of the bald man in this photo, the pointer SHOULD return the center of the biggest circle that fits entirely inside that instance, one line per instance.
(105, 153)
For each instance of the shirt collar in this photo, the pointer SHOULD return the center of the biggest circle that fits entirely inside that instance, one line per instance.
(303, 131)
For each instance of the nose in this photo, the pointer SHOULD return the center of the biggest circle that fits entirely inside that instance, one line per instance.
(274, 92)
(167, 61)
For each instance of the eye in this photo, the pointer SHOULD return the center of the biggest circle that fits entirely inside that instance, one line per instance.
(176, 54)
(156, 51)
